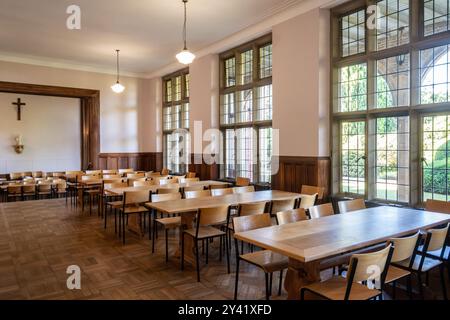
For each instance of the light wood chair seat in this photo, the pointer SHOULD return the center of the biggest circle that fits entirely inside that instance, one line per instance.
(428, 263)
(205, 232)
(395, 273)
(267, 260)
(170, 223)
(335, 288)
(115, 204)
(134, 209)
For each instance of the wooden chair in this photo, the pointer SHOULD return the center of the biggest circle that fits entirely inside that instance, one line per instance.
(291, 216)
(221, 192)
(135, 175)
(207, 219)
(266, 260)
(428, 257)
(37, 174)
(404, 251)
(281, 205)
(239, 190)
(92, 191)
(169, 189)
(164, 182)
(61, 189)
(15, 176)
(143, 183)
(165, 172)
(362, 268)
(194, 188)
(170, 223)
(131, 181)
(13, 192)
(132, 204)
(308, 201)
(351, 205)
(124, 172)
(320, 211)
(310, 190)
(191, 175)
(112, 176)
(44, 190)
(187, 180)
(197, 194)
(110, 172)
(242, 182)
(112, 205)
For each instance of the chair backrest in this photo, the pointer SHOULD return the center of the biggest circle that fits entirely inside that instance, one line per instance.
(27, 174)
(291, 216)
(15, 175)
(436, 239)
(244, 189)
(164, 182)
(197, 194)
(194, 188)
(308, 201)
(114, 185)
(248, 223)
(89, 178)
(221, 192)
(249, 209)
(158, 179)
(115, 180)
(126, 171)
(363, 265)
(109, 172)
(44, 187)
(404, 247)
(112, 176)
(351, 205)
(61, 185)
(172, 189)
(153, 174)
(242, 182)
(191, 175)
(136, 197)
(218, 186)
(135, 175)
(132, 180)
(321, 211)
(313, 190)
(28, 188)
(14, 189)
(36, 174)
(437, 206)
(166, 197)
(143, 183)
(165, 172)
(282, 205)
(212, 216)
(187, 180)
(94, 172)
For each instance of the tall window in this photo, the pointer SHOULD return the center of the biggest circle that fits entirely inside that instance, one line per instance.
(391, 101)
(246, 111)
(176, 121)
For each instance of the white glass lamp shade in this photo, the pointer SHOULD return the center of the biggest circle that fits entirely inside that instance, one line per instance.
(117, 87)
(185, 57)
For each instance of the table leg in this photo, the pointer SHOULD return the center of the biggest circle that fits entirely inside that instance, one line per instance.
(189, 249)
(300, 274)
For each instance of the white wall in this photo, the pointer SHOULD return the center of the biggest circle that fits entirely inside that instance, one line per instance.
(50, 127)
(123, 118)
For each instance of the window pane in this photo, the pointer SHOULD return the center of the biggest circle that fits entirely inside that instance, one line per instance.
(392, 82)
(246, 152)
(436, 16)
(187, 79)
(245, 106)
(227, 109)
(264, 103)
(436, 153)
(265, 155)
(265, 61)
(434, 66)
(353, 140)
(177, 93)
(246, 67)
(353, 35)
(392, 159)
(392, 23)
(230, 155)
(185, 116)
(352, 85)
(169, 91)
(230, 72)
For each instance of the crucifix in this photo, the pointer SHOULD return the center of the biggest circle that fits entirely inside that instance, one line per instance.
(19, 105)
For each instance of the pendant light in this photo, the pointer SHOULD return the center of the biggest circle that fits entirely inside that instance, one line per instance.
(185, 56)
(117, 87)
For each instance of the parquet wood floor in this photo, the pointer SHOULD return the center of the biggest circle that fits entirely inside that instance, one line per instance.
(40, 239)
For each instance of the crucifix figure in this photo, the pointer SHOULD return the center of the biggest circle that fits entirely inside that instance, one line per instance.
(19, 105)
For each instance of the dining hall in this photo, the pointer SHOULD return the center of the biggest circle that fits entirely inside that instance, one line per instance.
(262, 150)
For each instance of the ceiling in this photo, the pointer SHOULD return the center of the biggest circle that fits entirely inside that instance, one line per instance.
(148, 32)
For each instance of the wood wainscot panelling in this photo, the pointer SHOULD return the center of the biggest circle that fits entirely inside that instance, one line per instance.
(142, 161)
(204, 171)
(296, 171)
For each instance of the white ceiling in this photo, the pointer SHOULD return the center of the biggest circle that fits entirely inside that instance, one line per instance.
(148, 32)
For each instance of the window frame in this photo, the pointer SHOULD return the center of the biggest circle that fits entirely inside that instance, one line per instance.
(415, 110)
(256, 82)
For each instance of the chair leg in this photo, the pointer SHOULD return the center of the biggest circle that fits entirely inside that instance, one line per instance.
(394, 289)
(227, 252)
(409, 285)
(153, 237)
(197, 260)
(115, 220)
(442, 273)
(237, 279)
(207, 250)
(267, 286)
(420, 284)
(167, 245)
(280, 283)
(106, 216)
(270, 283)
(124, 216)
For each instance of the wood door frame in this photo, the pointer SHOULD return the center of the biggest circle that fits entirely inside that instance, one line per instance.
(89, 113)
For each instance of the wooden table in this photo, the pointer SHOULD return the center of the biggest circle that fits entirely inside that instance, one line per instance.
(308, 243)
(188, 208)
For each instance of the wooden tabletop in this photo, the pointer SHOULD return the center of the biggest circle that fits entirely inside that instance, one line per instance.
(189, 205)
(154, 188)
(317, 239)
